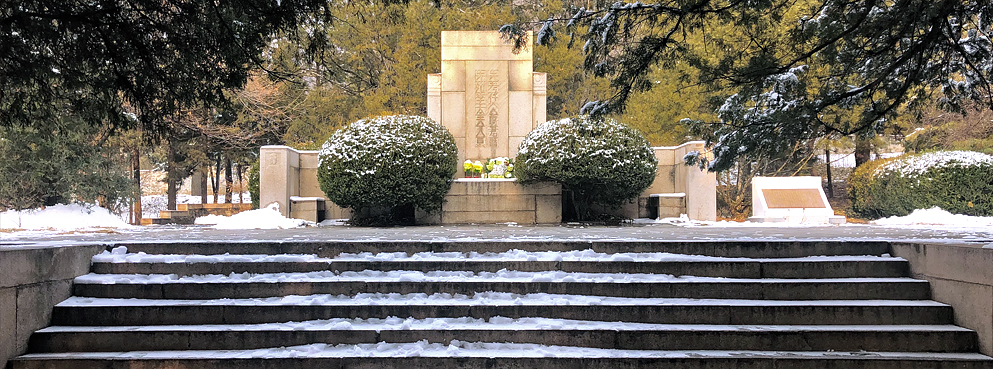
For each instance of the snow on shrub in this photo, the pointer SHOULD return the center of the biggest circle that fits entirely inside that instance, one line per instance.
(600, 162)
(960, 182)
(388, 162)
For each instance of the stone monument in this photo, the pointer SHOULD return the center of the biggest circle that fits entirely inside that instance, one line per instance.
(487, 95)
(791, 200)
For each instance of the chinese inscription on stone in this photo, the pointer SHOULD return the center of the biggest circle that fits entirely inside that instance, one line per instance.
(487, 84)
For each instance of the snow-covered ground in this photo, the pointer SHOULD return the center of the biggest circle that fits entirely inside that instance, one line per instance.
(81, 222)
(61, 218)
(264, 218)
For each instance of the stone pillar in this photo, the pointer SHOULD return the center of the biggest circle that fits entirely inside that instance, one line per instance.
(701, 188)
(540, 98)
(278, 176)
(434, 97)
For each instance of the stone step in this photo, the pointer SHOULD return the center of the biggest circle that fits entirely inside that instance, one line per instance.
(100, 311)
(433, 356)
(747, 249)
(942, 338)
(747, 289)
(767, 268)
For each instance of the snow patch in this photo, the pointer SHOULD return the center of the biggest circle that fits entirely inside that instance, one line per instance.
(265, 218)
(935, 216)
(62, 218)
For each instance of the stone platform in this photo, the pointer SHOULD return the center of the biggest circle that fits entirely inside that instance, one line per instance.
(498, 200)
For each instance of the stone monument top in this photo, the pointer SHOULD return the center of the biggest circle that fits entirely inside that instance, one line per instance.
(486, 95)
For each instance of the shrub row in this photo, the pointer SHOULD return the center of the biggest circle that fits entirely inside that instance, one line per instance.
(960, 182)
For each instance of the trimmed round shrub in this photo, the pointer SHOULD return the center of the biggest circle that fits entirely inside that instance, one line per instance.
(960, 182)
(389, 162)
(600, 162)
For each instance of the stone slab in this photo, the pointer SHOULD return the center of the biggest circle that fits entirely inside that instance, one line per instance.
(470, 53)
(521, 76)
(453, 114)
(34, 307)
(309, 187)
(32, 265)
(548, 209)
(8, 324)
(502, 187)
(488, 203)
(453, 80)
(973, 304)
(466, 217)
(520, 113)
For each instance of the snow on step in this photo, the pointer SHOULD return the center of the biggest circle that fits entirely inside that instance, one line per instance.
(120, 255)
(487, 350)
(479, 299)
(449, 276)
(496, 323)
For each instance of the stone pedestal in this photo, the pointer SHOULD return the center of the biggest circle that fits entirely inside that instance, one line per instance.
(483, 201)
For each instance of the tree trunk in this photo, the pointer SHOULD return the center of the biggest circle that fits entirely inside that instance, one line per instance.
(136, 174)
(830, 181)
(171, 175)
(228, 180)
(204, 172)
(217, 176)
(863, 150)
(241, 183)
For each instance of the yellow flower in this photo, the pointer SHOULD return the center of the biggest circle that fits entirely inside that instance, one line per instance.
(467, 165)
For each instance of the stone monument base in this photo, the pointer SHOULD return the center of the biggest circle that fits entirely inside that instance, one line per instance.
(498, 200)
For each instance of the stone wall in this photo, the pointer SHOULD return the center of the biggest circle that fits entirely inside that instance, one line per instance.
(32, 280)
(960, 275)
(285, 172)
(674, 177)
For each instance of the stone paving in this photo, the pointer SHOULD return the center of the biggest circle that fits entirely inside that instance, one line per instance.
(718, 231)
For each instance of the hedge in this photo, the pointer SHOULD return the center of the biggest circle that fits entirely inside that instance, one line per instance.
(960, 182)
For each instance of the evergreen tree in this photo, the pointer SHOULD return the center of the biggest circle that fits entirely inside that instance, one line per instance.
(797, 69)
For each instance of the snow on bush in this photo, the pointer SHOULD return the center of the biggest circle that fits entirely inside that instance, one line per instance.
(388, 162)
(601, 162)
(61, 218)
(265, 218)
(960, 182)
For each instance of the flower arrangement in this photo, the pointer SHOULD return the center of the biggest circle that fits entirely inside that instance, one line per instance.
(472, 169)
(501, 167)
